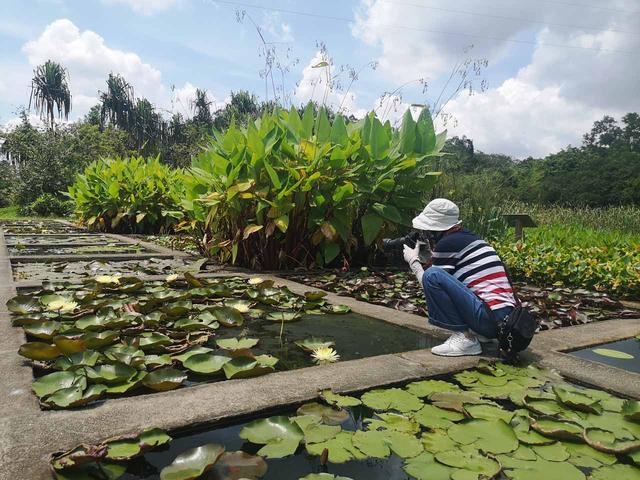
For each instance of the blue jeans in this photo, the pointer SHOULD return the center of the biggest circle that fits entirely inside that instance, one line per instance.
(454, 307)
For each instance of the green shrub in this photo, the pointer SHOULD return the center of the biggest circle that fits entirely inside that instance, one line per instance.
(614, 270)
(48, 205)
(289, 191)
(128, 195)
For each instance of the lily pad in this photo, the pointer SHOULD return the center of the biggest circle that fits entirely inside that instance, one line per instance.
(43, 330)
(228, 316)
(313, 343)
(372, 443)
(206, 363)
(150, 341)
(425, 467)
(425, 388)
(329, 415)
(582, 455)
(246, 367)
(488, 412)
(437, 441)
(434, 417)
(284, 316)
(577, 400)
(237, 344)
(53, 382)
(491, 436)
(393, 421)
(239, 466)
(111, 373)
(554, 452)
(192, 351)
(543, 469)
(338, 400)
(68, 344)
(88, 358)
(606, 441)
(631, 410)
(39, 351)
(391, 399)
(23, 304)
(192, 463)
(279, 435)
(558, 429)
(123, 449)
(340, 448)
(619, 472)
(469, 460)
(164, 379)
(607, 352)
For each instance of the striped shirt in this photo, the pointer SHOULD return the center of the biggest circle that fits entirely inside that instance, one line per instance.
(477, 265)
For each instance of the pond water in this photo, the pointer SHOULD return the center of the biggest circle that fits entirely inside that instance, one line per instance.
(355, 336)
(291, 467)
(37, 226)
(630, 346)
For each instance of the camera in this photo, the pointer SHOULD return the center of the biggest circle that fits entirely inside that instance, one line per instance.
(393, 246)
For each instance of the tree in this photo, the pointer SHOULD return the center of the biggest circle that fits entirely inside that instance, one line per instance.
(243, 107)
(50, 92)
(117, 103)
(202, 109)
(604, 133)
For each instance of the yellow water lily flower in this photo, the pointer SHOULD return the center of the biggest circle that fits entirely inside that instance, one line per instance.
(62, 305)
(107, 279)
(324, 355)
(256, 281)
(171, 278)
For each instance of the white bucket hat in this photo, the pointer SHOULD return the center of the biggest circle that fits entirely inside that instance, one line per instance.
(439, 215)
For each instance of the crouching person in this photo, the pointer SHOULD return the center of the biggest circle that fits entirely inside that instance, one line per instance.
(467, 288)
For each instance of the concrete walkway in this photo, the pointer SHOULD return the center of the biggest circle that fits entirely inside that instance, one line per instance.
(31, 434)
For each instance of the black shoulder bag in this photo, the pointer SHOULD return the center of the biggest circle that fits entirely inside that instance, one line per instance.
(516, 331)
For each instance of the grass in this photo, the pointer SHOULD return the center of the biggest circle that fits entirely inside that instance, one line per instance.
(10, 213)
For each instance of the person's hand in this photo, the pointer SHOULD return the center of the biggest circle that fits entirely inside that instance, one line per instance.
(411, 254)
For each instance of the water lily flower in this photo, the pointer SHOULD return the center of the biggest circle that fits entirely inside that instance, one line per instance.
(107, 279)
(255, 281)
(171, 278)
(62, 305)
(324, 355)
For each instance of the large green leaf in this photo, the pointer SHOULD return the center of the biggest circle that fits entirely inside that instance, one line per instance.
(391, 399)
(492, 436)
(469, 460)
(39, 351)
(205, 363)
(371, 225)
(192, 463)
(329, 415)
(237, 344)
(164, 379)
(280, 436)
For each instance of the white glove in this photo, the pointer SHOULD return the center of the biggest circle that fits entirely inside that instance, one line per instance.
(411, 256)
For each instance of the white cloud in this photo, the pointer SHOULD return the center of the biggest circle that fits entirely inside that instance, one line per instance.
(89, 61)
(276, 28)
(521, 119)
(550, 101)
(316, 85)
(146, 7)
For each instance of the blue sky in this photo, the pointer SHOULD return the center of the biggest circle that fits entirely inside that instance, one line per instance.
(552, 68)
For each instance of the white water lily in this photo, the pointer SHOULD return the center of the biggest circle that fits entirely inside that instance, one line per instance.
(171, 278)
(107, 279)
(324, 355)
(62, 305)
(255, 281)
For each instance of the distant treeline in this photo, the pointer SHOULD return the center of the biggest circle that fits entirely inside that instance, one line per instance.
(604, 170)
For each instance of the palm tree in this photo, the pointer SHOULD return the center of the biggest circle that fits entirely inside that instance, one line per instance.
(50, 91)
(202, 108)
(118, 104)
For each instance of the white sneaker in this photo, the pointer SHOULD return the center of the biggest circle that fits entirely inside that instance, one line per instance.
(458, 345)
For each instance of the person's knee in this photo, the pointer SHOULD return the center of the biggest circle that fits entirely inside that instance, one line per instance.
(432, 276)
